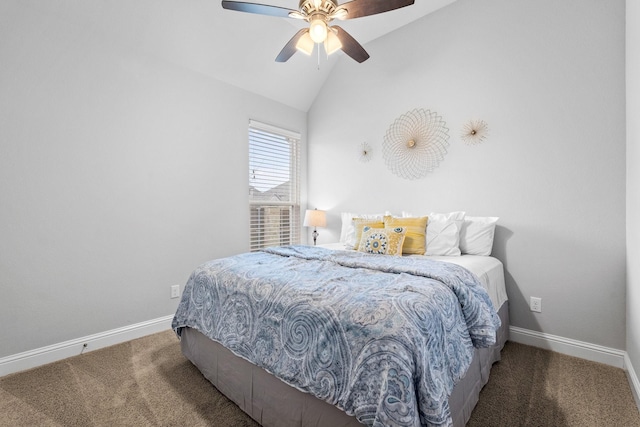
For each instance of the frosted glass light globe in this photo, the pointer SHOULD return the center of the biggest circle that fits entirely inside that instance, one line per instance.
(318, 30)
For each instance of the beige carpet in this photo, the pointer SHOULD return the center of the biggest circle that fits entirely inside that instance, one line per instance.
(147, 382)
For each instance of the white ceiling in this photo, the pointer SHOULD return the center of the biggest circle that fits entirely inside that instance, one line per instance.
(248, 44)
(234, 47)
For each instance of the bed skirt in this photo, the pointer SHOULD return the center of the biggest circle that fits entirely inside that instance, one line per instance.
(272, 403)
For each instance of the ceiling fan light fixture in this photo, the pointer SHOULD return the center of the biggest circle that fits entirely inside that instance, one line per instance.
(332, 42)
(318, 30)
(319, 14)
(305, 44)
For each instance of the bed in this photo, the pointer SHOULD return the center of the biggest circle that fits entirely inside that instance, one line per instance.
(338, 386)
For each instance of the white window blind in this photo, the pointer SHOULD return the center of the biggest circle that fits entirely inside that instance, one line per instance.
(274, 192)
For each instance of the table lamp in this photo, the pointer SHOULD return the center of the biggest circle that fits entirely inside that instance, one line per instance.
(315, 218)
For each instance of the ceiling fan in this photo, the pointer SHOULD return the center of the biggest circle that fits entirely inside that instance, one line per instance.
(319, 13)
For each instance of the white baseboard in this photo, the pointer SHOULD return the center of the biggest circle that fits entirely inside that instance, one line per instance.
(633, 379)
(41, 356)
(581, 349)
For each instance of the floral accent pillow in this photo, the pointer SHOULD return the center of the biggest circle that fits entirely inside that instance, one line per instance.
(359, 224)
(382, 241)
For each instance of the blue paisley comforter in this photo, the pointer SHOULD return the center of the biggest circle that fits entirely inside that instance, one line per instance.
(382, 338)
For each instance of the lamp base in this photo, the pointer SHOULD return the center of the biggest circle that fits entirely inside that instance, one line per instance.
(315, 236)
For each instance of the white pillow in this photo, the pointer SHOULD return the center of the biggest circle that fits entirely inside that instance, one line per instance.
(348, 232)
(477, 234)
(443, 233)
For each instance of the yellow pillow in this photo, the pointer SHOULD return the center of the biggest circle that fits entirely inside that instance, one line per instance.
(359, 223)
(382, 241)
(415, 240)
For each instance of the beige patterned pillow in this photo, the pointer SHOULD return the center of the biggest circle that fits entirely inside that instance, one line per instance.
(360, 223)
(382, 241)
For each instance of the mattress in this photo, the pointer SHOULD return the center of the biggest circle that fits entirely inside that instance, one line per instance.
(271, 402)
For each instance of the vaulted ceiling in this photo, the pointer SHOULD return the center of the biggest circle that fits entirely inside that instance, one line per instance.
(234, 47)
(243, 48)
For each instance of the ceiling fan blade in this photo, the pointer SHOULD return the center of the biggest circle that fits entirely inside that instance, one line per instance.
(360, 8)
(290, 48)
(262, 9)
(350, 46)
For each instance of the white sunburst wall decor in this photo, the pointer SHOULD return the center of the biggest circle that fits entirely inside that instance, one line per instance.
(365, 152)
(415, 143)
(474, 132)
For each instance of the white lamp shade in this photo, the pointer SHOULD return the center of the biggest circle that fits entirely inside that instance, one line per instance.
(305, 44)
(332, 43)
(315, 218)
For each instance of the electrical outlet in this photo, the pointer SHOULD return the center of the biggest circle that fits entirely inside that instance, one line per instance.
(535, 304)
(175, 291)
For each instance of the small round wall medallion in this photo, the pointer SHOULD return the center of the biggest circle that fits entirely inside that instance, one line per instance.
(365, 152)
(474, 132)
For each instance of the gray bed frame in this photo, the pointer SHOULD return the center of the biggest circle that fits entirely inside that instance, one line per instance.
(272, 403)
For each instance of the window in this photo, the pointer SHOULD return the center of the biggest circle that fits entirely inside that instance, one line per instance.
(274, 192)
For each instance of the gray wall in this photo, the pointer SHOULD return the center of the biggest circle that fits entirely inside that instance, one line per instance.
(549, 78)
(633, 182)
(120, 169)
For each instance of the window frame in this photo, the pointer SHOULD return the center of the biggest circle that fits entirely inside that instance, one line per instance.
(263, 214)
